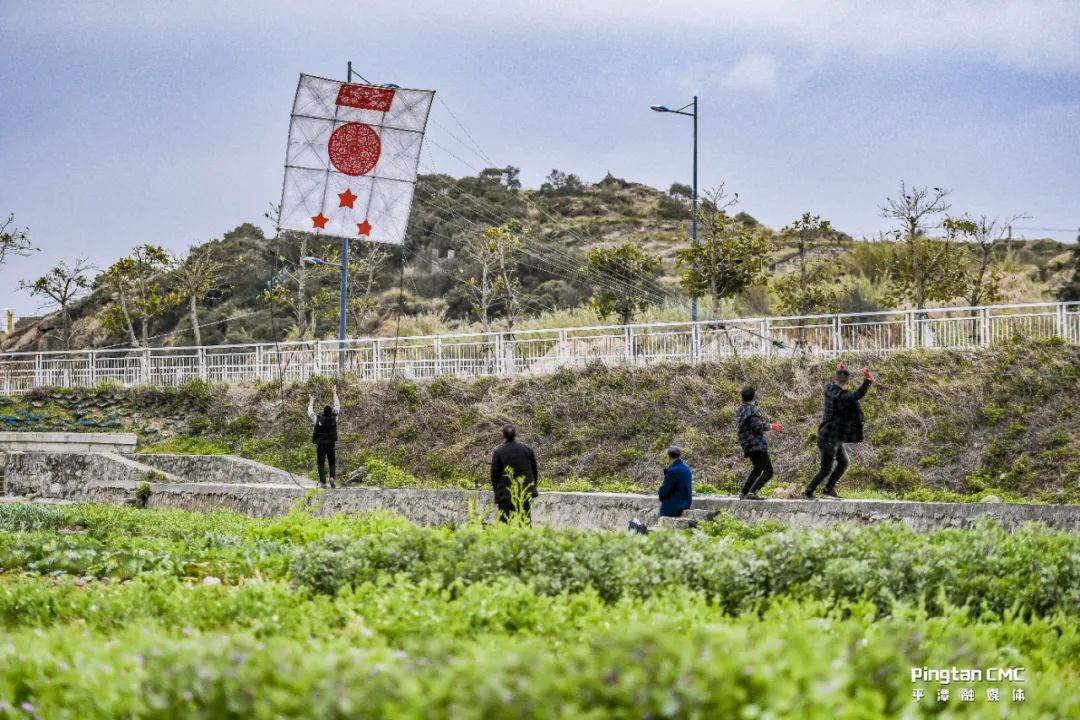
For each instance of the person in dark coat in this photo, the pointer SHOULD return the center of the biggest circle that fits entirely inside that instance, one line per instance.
(324, 435)
(676, 493)
(751, 430)
(521, 460)
(842, 422)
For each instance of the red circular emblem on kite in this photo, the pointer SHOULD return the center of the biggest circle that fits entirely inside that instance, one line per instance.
(354, 148)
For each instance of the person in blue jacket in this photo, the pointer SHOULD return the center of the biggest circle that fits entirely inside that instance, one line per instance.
(676, 493)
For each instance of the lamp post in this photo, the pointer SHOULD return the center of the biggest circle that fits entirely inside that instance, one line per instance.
(693, 199)
(344, 265)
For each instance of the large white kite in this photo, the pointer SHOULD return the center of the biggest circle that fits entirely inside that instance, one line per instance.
(350, 169)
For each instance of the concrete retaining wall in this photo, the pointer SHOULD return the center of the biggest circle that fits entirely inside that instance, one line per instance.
(69, 475)
(67, 442)
(224, 469)
(97, 477)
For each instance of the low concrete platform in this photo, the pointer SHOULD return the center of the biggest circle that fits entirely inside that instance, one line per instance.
(67, 442)
(111, 478)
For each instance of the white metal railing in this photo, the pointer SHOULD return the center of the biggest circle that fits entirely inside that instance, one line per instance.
(539, 351)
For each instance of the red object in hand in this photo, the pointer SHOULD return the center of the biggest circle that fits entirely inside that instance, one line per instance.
(866, 374)
(776, 427)
(839, 366)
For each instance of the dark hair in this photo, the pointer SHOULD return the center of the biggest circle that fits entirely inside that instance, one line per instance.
(674, 451)
(842, 373)
(509, 432)
(747, 394)
(327, 411)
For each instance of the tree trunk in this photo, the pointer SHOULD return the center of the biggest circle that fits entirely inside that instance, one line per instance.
(485, 299)
(195, 320)
(127, 320)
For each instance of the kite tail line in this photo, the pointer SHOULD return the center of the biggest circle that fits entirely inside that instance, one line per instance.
(277, 354)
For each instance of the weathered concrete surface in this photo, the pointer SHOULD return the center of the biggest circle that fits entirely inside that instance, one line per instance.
(67, 442)
(224, 469)
(111, 478)
(69, 475)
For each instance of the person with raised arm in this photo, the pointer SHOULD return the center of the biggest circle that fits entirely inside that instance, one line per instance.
(324, 435)
(841, 423)
(751, 429)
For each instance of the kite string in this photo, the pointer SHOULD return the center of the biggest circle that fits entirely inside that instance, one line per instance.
(285, 446)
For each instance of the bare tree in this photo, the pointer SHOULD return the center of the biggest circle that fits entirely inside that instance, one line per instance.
(983, 237)
(508, 243)
(14, 240)
(926, 269)
(61, 286)
(197, 274)
(364, 264)
(482, 249)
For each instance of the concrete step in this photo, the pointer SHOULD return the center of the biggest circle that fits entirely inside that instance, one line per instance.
(677, 523)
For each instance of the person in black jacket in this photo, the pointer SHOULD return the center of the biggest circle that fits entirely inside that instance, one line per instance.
(751, 430)
(519, 459)
(324, 435)
(842, 422)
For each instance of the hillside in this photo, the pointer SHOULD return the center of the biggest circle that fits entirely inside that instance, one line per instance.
(559, 223)
(944, 424)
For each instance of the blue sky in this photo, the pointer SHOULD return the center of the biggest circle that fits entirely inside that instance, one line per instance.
(131, 122)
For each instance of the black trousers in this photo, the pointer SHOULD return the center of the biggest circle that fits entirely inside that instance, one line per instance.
(834, 462)
(761, 474)
(325, 454)
(506, 510)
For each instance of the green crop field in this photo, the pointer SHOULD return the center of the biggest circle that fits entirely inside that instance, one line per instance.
(122, 613)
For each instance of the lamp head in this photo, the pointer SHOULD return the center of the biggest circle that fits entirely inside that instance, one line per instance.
(659, 108)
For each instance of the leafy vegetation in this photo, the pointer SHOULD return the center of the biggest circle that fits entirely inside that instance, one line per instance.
(119, 612)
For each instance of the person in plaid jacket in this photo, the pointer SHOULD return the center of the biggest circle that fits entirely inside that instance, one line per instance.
(751, 429)
(842, 422)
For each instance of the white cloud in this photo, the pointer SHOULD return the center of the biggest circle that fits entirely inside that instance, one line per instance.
(754, 71)
(1040, 36)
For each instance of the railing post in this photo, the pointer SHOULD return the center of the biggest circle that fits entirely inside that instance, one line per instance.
(766, 335)
(837, 344)
(695, 342)
(93, 368)
(146, 366)
(498, 367)
(628, 343)
(1062, 330)
(202, 362)
(438, 355)
(562, 353)
(376, 358)
(984, 328)
(909, 329)
(38, 374)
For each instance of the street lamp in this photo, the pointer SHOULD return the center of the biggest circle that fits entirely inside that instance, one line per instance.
(693, 199)
(344, 265)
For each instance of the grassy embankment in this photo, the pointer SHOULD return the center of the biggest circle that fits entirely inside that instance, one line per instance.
(940, 425)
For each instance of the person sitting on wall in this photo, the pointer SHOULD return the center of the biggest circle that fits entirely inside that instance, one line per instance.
(676, 493)
(324, 435)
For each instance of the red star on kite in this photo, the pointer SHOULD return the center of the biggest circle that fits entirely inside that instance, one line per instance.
(347, 198)
(319, 221)
(364, 228)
